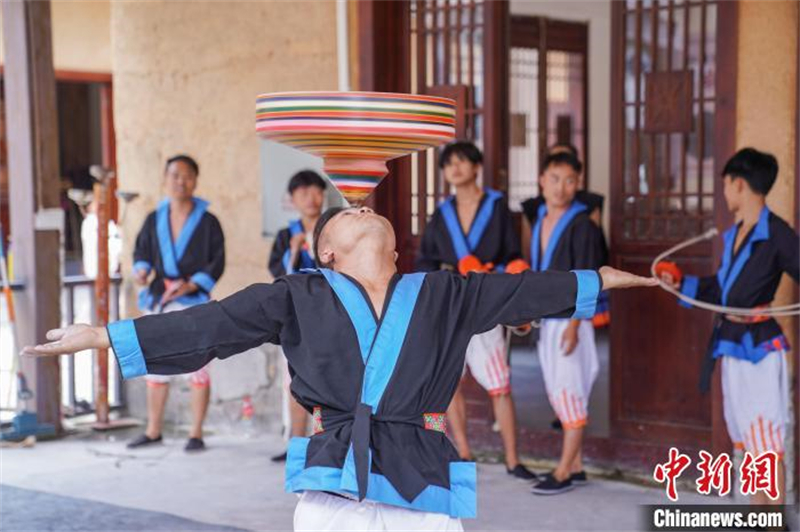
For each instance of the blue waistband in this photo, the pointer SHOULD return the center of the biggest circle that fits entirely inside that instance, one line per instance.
(458, 501)
(747, 350)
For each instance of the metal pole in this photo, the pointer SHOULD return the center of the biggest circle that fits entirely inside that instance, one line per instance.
(101, 289)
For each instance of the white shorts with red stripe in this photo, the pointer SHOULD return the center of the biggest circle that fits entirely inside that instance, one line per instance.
(755, 399)
(487, 361)
(200, 378)
(568, 379)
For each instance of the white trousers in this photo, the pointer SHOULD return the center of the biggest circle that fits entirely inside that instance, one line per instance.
(320, 511)
(755, 400)
(568, 379)
(487, 361)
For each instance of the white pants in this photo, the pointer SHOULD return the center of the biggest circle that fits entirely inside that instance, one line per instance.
(486, 359)
(320, 511)
(568, 379)
(755, 399)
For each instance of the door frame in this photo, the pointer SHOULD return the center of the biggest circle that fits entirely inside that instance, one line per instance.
(108, 137)
(724, 145)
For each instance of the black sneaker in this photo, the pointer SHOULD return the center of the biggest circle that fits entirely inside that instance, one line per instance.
(279, 458)
(551, 486)
(143, 441)
(195, 445)
(578, 478)
(521, 472)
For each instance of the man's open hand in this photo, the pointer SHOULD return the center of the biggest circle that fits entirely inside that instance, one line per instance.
(613, 278)
(69, 340)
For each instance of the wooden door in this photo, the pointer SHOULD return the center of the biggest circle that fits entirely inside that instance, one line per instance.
(673, 114)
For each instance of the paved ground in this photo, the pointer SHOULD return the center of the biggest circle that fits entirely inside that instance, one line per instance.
(81, 483)
(36, 510)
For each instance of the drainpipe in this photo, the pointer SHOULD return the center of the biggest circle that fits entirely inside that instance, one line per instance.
(342, 49)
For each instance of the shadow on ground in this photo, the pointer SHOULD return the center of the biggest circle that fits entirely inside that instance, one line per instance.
(29, 510)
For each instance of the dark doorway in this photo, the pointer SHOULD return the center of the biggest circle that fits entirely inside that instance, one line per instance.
(86, 137)
(548, 69)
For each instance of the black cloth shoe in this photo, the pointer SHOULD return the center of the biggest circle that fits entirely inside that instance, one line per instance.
(279, 458)
(143, 441)
(578, 478)
(522, 473)
(194, 445)
(551, 486)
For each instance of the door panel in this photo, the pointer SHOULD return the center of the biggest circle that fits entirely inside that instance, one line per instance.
(673, 81)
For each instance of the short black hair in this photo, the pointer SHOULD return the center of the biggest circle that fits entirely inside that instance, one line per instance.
(464, 149)
(563, 148)
(562, 157)
(306, 178)
(323, 220)
(759, 169)
(182, 158)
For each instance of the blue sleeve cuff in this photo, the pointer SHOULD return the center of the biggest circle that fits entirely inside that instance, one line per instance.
(142, 265)
(126, 347)
(588, 292)
(204, 281)
(689, 288)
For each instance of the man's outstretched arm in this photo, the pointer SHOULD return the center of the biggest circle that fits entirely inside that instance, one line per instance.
(493, 299)
(184, 341)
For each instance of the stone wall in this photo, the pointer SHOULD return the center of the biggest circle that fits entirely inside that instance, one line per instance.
(766, 105)
(81, 35)
(186, 76)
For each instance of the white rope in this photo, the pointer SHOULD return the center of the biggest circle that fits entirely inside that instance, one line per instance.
(785, 310)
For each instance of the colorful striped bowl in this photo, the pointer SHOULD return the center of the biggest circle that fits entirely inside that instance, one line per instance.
(356, 133)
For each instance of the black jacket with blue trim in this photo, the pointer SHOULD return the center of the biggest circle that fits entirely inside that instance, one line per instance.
(749, 278)
(409, 466)
(279, 254)
(202, 262)
(579, 245)
(499, 243)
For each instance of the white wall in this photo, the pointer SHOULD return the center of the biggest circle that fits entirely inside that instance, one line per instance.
(598, 14)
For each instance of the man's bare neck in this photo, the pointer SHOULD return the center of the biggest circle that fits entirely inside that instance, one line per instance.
(749, 214)
(556, 212)
(182, 206)
(469, 192)
(309, 222)
(371, 261)
(372, 272)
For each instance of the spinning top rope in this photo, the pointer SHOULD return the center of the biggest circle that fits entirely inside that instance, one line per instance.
(774, 312)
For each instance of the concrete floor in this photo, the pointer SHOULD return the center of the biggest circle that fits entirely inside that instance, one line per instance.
(86, 483)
